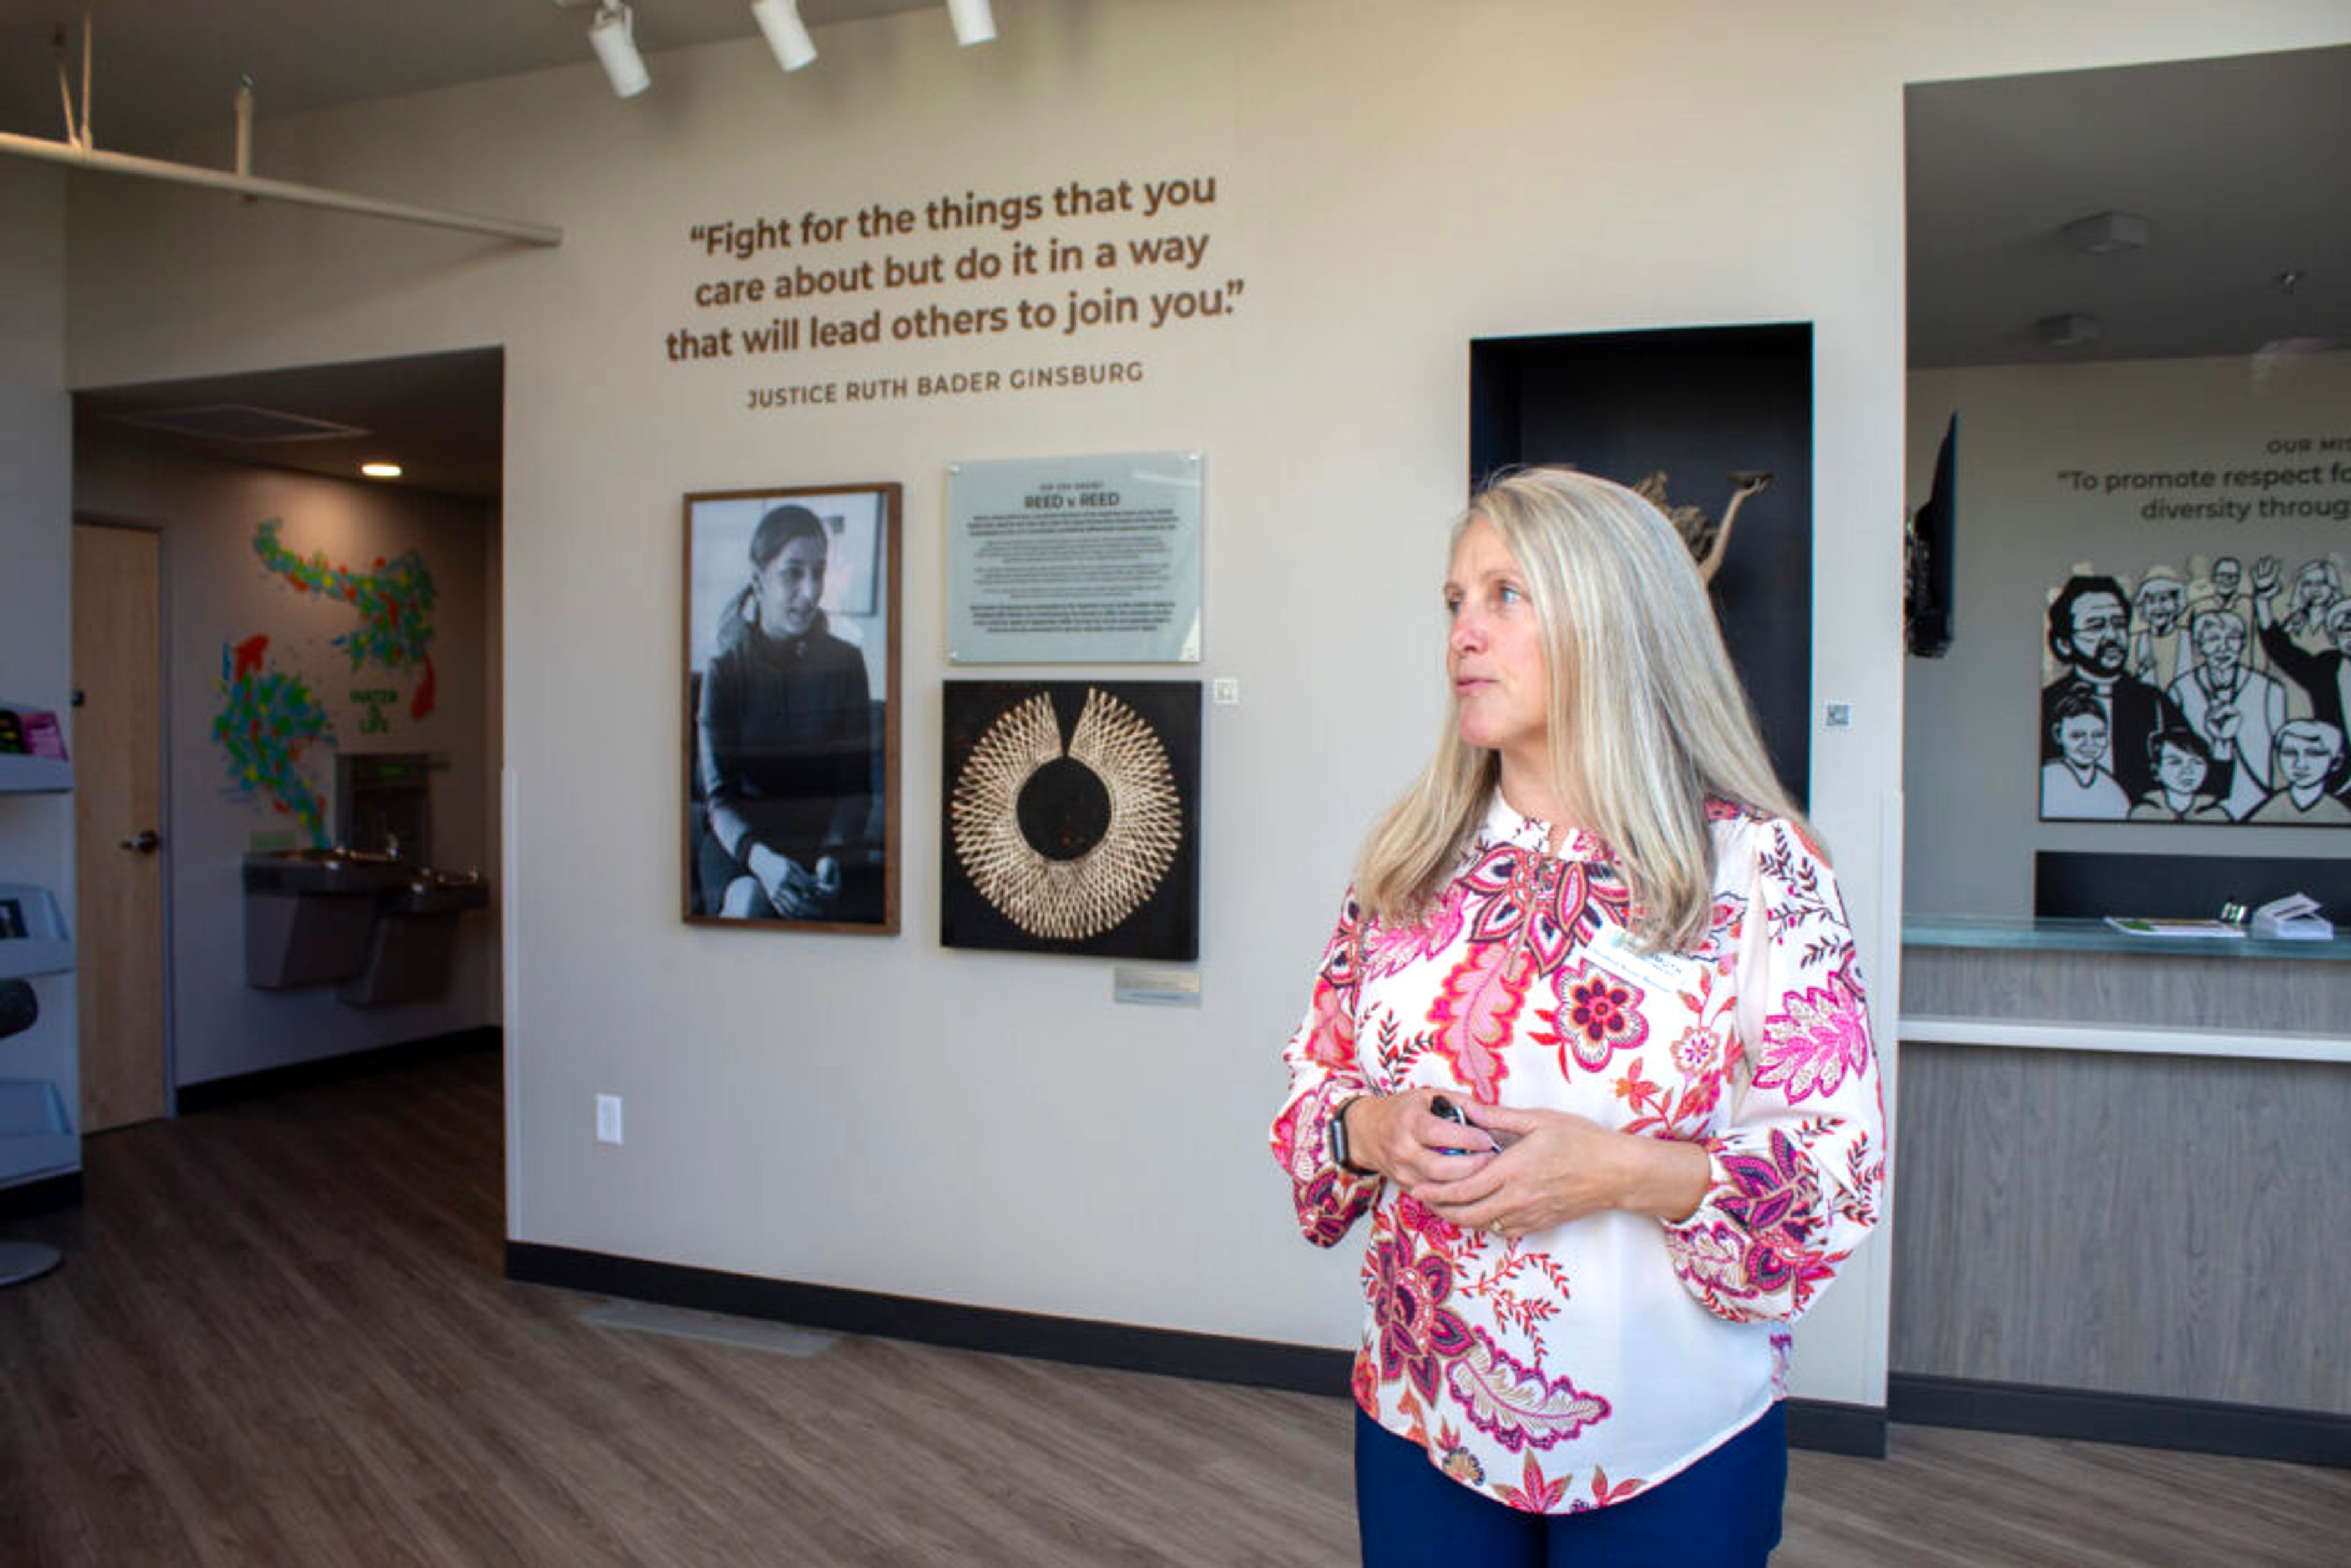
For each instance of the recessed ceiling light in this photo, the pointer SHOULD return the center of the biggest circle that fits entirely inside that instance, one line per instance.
(2069, 330)
(380, 470)
(2105, 234)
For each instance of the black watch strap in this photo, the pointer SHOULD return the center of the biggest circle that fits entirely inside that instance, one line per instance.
(1340, 1153)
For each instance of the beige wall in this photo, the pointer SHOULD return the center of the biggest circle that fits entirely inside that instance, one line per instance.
(1394, 180)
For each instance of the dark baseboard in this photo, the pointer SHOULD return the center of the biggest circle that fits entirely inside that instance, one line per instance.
(215, 1092)
(1170, 1353)
(1827, 1427)
(2141, 1420)
(47, 1195)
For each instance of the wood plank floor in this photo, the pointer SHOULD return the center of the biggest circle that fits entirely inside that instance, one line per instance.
(282, 1336)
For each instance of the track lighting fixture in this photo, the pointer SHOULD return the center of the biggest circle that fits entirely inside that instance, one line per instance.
(974, 22)
(612, 34)
(781, 21)
(2108, 234)
(2068, 330)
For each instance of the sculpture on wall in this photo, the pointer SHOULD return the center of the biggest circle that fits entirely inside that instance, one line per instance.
(1087, 845)
(1707, 540)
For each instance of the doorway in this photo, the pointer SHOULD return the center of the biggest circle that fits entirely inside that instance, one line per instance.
(309, 614)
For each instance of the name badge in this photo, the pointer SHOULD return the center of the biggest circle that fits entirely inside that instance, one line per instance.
(1612, 950)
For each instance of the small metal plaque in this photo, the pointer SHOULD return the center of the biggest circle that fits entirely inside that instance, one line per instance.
(1157, 988)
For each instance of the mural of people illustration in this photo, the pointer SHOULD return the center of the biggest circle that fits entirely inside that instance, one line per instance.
(2324, 676)
(2317, 585)
(2155, 646)
(2309, 765)
(2228, 581)
(2236, 709)
(2088, 635)
(2222, 587)
(2077, 785)
(2182, 765)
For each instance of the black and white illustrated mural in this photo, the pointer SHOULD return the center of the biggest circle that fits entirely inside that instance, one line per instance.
(2214, 694)
(1071, 817)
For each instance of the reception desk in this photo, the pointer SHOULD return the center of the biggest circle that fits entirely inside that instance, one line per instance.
(2081, 985)
(2120, 1182)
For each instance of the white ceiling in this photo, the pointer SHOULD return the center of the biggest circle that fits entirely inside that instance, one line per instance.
(2243, 167)
(2240, 165)
(167, 68)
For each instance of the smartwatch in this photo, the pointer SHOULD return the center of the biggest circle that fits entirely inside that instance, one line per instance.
(1339, 1139)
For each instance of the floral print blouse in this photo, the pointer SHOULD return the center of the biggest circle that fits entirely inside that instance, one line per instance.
(1571, 1368)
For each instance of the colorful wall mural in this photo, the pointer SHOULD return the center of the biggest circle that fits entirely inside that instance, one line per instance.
(269, 715)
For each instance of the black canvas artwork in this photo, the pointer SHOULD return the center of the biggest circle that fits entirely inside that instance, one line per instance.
(1070, 818)
(2212, 696)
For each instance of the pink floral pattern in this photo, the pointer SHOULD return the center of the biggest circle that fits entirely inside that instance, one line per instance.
(1418, 1334)
(1599, 1016)
(1809, 1048)
(1543, 1371)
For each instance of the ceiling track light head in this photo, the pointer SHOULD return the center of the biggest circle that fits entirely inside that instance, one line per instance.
(614, 36)
(2109, 234)
(975, 23)
(787, 36)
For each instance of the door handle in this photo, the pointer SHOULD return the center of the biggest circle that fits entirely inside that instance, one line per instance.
(143, 842)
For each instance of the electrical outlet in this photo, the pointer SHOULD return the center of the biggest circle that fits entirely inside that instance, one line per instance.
(1225, 691)
(607, 1118)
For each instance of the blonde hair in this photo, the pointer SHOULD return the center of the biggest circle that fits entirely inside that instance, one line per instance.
(1646, 718)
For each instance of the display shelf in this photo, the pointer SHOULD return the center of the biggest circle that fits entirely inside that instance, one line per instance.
(44, 947)
(22, 775)
(24, 959)
(36, 1137)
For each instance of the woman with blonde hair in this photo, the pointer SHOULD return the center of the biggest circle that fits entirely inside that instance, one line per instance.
(1591, 1049)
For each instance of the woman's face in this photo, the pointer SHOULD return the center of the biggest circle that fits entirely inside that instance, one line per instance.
(789, 587)
(1494, 652)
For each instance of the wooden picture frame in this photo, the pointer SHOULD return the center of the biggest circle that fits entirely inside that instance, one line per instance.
(792, 719)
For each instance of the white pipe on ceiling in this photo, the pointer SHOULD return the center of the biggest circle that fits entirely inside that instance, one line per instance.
(254, 185)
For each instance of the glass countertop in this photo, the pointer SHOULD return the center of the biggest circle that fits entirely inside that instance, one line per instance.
(2021, 933)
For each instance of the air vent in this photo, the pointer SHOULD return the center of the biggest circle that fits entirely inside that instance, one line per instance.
(238, 422)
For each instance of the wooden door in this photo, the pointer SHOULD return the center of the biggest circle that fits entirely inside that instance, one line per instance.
(118, 670)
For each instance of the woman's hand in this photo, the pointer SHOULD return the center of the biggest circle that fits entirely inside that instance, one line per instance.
(1402, 1139)
(1561, 1168)
(796, 892)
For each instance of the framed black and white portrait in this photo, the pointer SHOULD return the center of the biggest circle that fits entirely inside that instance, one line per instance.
(1071, 817)
(791, 701)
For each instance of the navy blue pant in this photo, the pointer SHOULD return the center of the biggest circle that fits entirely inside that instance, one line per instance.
(1723, 1512)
